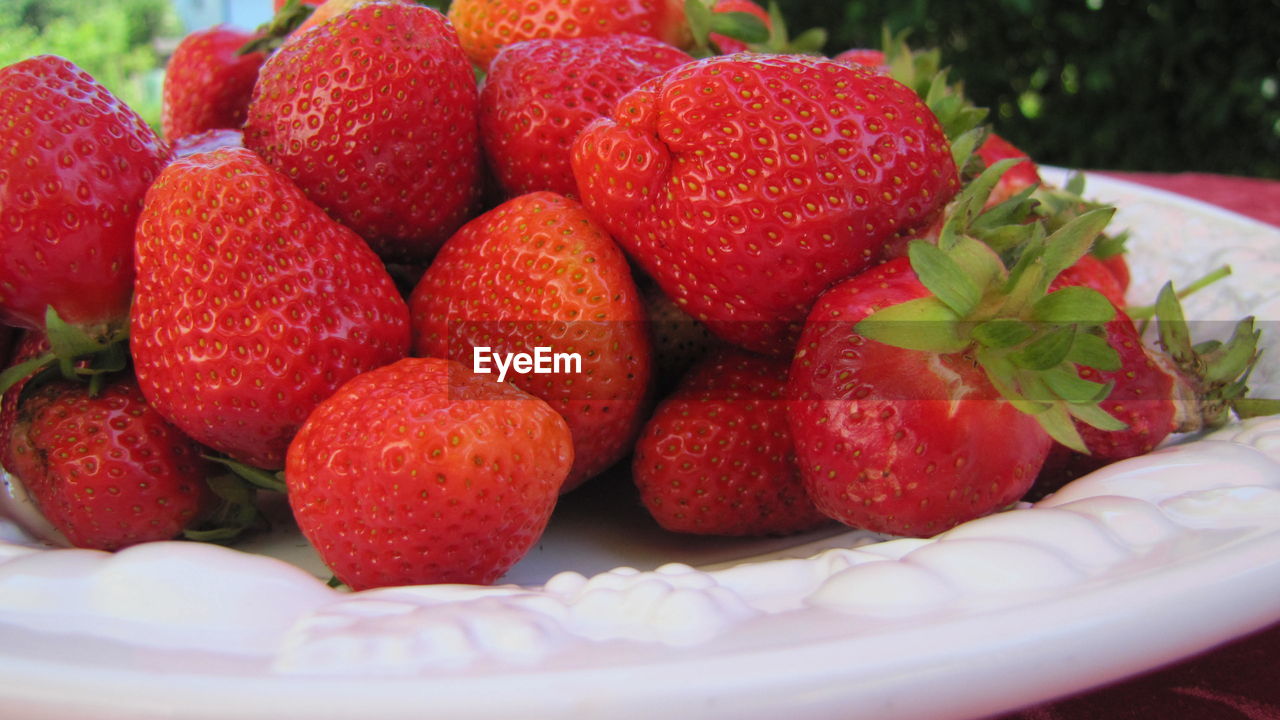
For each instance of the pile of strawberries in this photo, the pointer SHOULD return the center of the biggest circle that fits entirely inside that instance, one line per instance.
(799, 289)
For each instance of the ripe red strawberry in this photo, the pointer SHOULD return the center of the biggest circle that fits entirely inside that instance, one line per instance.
(376, 120)
(252, 305)
(745, 185)
(1178, 387)
(107, 470)
(866, 57)
(1021, 176)
(75, 162)
(534, 272)
(486, 26)
(1118, 264)
(900, 441)
(932, 387)
(1093, 273)
(422, 472)
(717, 458)
(208, 83)
(540, 93)
(678, 340)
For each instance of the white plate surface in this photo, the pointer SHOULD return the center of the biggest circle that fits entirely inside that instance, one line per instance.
(1133, 567)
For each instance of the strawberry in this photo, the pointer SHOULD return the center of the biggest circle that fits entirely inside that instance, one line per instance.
(1058, 206)
(902, 441)
(1118, 264)
(1092, 273)
(678, 340)
(486, 26)
(747, 184)
(75, 162)
(540, 93)
(423, 472)
(376, 120)
(208, 82)
(1017, 178)
(931, 388)
(534, 272)
(869, 58)
(107, 470)
(252, 305)
(717, 458)
(1179, 387)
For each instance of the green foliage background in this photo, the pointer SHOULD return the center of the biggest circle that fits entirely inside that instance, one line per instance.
(112, 40)
(1124, 84)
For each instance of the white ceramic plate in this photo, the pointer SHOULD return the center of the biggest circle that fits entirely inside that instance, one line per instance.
(1141, 564)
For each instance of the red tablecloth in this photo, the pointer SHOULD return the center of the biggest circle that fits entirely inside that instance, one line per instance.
(1240, 680)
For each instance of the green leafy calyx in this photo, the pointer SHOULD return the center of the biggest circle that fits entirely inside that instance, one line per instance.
(992, 301)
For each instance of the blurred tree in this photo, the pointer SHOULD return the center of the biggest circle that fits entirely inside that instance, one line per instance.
(1125, 84)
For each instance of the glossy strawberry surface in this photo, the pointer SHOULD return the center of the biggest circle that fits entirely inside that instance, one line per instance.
(1144, 397)
(537, 271)
(208, 83)
(539, 94)
(374, 116)
(901, 441)
(252, 305)
(1145, 388)
(717, 457)
(422, 471)
(107, 470)
(1017, 178)
(75, 162)
(486, 26)
(747, 184)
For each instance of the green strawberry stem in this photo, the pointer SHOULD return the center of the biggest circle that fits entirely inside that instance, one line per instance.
(1030, 342)
(703, 22)
(809, 42)
(236, 513)
(1146, 313)
(238, 490)
(273, 33)
(254, 476)
(79, 354)
(922, 71)
(1215, 373)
